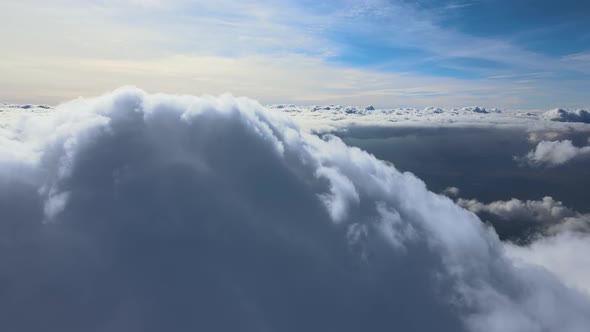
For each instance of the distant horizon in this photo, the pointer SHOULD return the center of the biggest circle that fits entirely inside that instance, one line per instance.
(299, 104)
(523, 55)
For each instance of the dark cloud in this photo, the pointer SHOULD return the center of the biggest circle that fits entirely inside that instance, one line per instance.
(135, 212)
(561, 115)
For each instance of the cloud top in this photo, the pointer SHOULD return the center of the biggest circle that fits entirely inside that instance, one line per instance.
(147, 212)
(547, 213)
(553, 153)
(342, 116)
(562, 115)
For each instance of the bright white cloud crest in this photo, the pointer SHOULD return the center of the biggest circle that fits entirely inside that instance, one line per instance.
(168, 212)
(564, 254)
(553, 153)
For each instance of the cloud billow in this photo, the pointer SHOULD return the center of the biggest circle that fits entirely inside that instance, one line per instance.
(141, 212)
(561, 115)
(560, 237)
(551, 216)
(553, 153)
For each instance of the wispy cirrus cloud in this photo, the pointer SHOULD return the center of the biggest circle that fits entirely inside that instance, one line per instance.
(397, 39)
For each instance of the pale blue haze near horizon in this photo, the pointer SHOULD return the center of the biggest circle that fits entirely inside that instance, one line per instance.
(508, 54)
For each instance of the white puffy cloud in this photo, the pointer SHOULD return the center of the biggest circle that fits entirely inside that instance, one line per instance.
(451, 191)
(186, 213)
(547, 213)
(553, 153)
(562, 244)
(565, 254)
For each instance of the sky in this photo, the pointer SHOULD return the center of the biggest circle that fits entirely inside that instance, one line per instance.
(140, 192)
(507, 54)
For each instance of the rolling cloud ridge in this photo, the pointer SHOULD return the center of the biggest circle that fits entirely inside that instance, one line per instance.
(138, 212)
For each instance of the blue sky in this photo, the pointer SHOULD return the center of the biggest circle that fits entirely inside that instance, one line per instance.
(515, 54)
(469, 39)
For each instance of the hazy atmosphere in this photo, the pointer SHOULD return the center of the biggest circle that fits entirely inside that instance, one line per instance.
(294, 165)
(519, 54)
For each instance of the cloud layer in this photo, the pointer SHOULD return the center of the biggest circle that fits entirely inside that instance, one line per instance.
(475, 116)
(145, 212)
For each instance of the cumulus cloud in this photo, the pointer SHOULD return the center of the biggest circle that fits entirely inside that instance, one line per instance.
(553, 153)
(559, 242)
(562, 115)
(558, 237)
(185, 213)
(551, 215)
(451, 191)
(565, 254)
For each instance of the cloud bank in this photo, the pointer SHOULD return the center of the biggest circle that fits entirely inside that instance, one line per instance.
(334, 117)
(549, 214)
(142, 212)
(562, 115)
(560, 242)
(339, 116)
